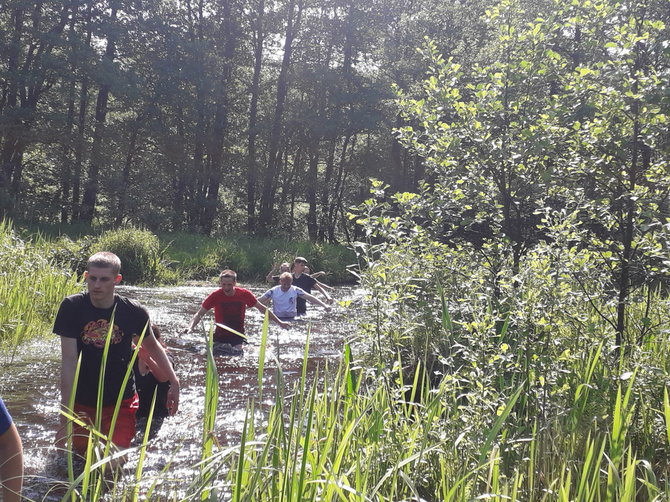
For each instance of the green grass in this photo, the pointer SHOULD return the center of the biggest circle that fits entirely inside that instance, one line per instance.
(202, 257)
(170, 258)
(31, 288)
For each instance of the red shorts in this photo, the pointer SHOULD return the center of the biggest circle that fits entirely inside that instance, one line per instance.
(124, 430)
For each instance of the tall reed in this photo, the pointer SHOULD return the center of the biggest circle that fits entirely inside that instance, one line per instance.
(30, 290)
(351, 437)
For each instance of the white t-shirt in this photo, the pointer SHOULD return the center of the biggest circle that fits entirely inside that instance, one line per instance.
(284, 302)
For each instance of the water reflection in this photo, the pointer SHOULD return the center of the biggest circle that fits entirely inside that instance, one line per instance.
(30, 385)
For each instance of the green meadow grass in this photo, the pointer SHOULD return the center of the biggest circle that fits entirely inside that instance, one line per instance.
(170, 258)
(202, 257)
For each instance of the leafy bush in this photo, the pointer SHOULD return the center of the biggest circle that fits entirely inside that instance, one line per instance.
(70, 254)
(139, 250)
(461, 316)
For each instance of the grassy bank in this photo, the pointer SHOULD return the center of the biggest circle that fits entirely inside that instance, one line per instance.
(200, 257)
(176, 257)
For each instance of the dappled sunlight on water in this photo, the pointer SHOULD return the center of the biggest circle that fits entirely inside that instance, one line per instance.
(30, 384)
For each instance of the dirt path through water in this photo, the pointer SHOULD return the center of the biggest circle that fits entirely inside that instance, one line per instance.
(30, 383)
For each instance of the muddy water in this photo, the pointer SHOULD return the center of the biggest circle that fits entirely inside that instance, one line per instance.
(30, 388)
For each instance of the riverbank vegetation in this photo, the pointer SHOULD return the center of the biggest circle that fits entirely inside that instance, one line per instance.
(42, 265)
(170, 258)
(514, 341)
(31, 288)
(515, 338)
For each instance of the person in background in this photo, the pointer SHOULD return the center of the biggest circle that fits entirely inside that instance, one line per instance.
(306, 283)
(272, 278)
(84, 322)
(11, 458)
(284, 298)
(151, 378)
(230, 304)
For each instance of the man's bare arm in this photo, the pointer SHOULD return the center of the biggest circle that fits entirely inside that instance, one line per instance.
(69, 357)
(314, 299)
(196, 319)
(325, 286)
(11, 465)
(157, 353)
(329, 299)
(271, 314)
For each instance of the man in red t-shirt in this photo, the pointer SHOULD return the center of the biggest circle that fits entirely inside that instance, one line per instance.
(230, 304)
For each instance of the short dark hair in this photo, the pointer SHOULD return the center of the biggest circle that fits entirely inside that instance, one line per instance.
(228, 273)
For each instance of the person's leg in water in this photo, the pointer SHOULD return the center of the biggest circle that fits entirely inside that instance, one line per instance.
(122, 436)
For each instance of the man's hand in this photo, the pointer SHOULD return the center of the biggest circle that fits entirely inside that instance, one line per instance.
(284, 324)
(329, 300)
(172, 400)
(328, 309)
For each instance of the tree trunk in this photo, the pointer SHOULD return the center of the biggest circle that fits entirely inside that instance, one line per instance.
(27, 83)
(195, 199)
(10, 115)
(267, 199)
(325, 191)
(312, 218)
(125, 174)
(628, 228)
(252, 172)
(220, 127)
(66, 147)
(80, 141)
(293, 181)
(338, 192)
(93, 182)
(179, 180)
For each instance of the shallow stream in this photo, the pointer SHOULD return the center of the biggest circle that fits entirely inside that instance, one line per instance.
(30, 384)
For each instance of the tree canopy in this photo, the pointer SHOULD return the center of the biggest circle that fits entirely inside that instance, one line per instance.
(241, 115)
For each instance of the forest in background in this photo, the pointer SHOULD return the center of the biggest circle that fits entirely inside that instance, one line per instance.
(215, 116)
(211, 115)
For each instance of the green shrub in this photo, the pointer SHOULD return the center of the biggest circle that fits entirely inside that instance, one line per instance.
(139, 250)
(70, 254)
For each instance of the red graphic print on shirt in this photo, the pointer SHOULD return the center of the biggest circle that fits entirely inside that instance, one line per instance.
(95, 333)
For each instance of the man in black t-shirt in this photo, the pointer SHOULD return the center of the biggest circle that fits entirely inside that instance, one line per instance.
(306, 282)
(84, 322)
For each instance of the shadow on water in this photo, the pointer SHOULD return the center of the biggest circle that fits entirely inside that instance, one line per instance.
(30, 385)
